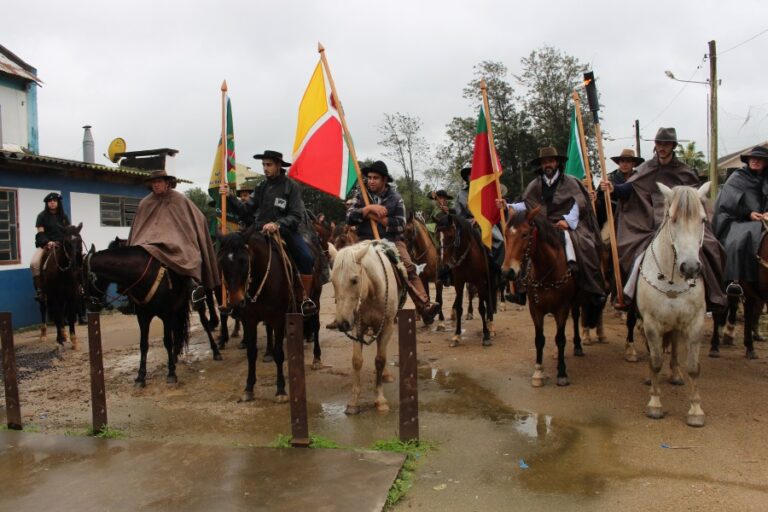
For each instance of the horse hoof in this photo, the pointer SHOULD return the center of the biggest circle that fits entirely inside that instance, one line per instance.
(171, 379)
(281, 398)
(242, 346)
(247, 396)
(751, 353)
(487, 342)
(647, 381)
(694, 421)
(267, 358)
(351, 410)
(388, 378)
(714, 353)
(234, 335)
(758, 337)
(382, 407)
(469, 316)
(588, 341)
(563, 381)
(75, 345)
(630, 355)
(440, 327)
(456, 341)
(139, 383)
(727, 341)
(217, 357)
(222, 345)
(676, 381)
(317, 364)
(43, 338)
(655, 413)
(537, 382)
(578, 351)
(602, 340)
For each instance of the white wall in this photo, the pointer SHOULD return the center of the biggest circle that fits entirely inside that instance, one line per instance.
(14, 116)
(29, 203)
(85, 209)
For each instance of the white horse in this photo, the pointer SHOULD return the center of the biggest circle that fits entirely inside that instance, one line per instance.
(366, 304)
(670, 293)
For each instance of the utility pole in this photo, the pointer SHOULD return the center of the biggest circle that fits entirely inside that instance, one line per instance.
(713, 176)
(637, 137)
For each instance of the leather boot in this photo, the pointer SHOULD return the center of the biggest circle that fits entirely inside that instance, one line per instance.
(37, 281)
(308, 307)
(426, 309)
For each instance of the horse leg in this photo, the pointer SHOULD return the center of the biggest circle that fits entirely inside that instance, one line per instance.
(676, 377)
(729, 330)
(481, 306)
(236, 329)
(43, 322)
(601, 337)
(252, 351)
(470, 309)
(144, 320)
(381, 364)
(718, 321)
(749, 322)
(562, 320)
(317, 362)
(653, 337)
(223, 331)
(490, 309)
(280, 395)
(630, 354)
(439, 300)
(353, 406)
(538, 374)
(72, 321)
(269, 352)
(695, 416)
(168, 326)
(458, 309)
(577, 349)
(208, 325)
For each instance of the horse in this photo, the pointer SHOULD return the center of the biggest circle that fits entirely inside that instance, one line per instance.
(261, 287)
(155, 291)
(366, 299)
(464, 255)
(670, 293)
(535, 247)
(62, 286)
(423, 252)
(344, 235)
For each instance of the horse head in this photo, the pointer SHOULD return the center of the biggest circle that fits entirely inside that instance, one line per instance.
(94, 285)
(234, 259)
(72, 248)
(349, 283)
(686, 219)
(521, 230)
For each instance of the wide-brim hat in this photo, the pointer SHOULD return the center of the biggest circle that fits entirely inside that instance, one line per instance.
(379, 168)
(465, 173)
(666, 135)
(548, 152)
(628, 154)
(441, 193)
(272, 155)
(52, 195)
(159, 174)
(756, 152)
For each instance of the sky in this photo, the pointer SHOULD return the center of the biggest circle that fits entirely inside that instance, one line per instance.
(150, 71)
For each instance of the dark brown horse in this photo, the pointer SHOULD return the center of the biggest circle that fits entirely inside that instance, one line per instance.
(344, 235)
(61, 284)
(423, 252)
(464, 255)
(261, 287)
(534, 247)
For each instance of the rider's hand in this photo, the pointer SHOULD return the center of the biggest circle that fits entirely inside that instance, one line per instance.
(500, 203)
(375, 210)
(561, 224)
(756, 216)
(50, 245)
(444, 208)
(606, 186)
(592, 195)
(224, 189)
(269, 228)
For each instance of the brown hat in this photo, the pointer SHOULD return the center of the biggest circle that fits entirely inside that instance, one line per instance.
(666, 135)
(440, 193)
(160, 174)
(548, 152)
(247, 185)
(628, 154)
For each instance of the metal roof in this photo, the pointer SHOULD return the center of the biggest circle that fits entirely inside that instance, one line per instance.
(13, 65)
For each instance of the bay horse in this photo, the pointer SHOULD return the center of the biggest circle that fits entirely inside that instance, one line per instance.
(423, 252)
(155, 291)
(261, 287)
(670, 293)
(535, 248)
(464, 255)
(343, 235)
(366, 300)
(61, 285)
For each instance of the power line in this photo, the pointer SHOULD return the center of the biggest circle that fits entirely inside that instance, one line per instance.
(742, 43)
(676, 95)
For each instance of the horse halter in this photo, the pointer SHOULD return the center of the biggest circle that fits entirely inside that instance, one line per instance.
(537, 285)
(358, 321)
(457, 246)
(660, 275)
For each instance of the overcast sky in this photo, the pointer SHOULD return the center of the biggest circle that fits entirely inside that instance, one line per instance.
(150, 71)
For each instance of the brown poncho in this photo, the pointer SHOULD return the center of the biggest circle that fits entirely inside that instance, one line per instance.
(172, 229)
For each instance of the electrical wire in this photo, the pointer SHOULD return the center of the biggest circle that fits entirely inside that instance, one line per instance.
(672, 101)
(742, 43)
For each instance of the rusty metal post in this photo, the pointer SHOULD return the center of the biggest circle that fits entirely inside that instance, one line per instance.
(98, 392)
(294, 339)
(12, 409)
(409, 392)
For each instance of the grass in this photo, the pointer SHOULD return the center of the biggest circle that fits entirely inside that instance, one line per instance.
(315, 441)
(107, 433)
(29, 427)
(413, 451)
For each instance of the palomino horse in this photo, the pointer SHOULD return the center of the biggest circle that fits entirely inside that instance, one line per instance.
(423, 252)
(261, 287)
(366, 299)
(534, 246)
(155, 290)
(670, 293)
(465, 257)
(60, 278)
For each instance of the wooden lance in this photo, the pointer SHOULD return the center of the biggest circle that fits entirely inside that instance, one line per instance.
(347, 136)
(223, 174)
(583, 144)
(494, 156)
(594, 106)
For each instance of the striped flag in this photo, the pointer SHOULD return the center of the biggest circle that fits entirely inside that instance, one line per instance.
(575, 164)
(215, 179)
(482, 183)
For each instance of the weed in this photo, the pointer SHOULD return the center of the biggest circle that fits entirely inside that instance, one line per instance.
(107, 433)
(315, 441)
(413, 451)
(282, 441)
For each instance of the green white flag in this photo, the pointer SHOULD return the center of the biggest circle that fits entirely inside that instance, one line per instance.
(575, 164)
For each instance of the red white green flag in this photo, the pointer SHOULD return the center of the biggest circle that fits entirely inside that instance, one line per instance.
(482, 183)
(320, 152)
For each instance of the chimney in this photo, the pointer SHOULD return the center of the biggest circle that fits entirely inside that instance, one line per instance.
(88, 156)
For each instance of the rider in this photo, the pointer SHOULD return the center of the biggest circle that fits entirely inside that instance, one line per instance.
(244, 195)
(740, 212)
(441, 198)
(388, 211)
(50, 226)
(641, 212)
(565, 202)
(276, 206)
(172, 229)
(627, 162)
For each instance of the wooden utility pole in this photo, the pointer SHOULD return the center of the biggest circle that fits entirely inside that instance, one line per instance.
(713, 176)
(637, 137)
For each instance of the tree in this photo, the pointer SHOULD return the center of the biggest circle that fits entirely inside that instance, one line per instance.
(454, 154)
(420, 200)
(201, 198)
(317, 202)
(692, 157)
(405, 145)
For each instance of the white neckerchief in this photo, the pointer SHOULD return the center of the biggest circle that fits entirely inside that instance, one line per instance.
(549, 181)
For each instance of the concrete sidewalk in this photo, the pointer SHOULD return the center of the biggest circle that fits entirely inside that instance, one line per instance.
(41, 472)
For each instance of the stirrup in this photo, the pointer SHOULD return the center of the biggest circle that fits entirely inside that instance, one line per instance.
(308, 308)
(198, 293)
(734, 290)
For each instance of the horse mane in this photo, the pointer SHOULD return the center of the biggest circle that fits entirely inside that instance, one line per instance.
(548, 234)
(685, 205)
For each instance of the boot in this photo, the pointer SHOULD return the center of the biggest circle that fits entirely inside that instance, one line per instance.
(308, 307)
(37, 281)
(426, 309)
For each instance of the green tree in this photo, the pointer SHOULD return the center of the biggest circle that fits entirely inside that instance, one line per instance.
(319, 202)
(692, 157)
(454, 154)
(201, 198)
(404, 144)
(421, 202)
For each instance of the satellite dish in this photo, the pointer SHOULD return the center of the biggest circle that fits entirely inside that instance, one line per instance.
(115, 147)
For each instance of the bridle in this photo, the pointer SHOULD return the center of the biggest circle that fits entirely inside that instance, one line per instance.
(535, 286)
(360, 337)
(456, 247)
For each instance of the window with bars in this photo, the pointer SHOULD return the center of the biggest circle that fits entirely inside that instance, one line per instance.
(9, 227)
(118, 211)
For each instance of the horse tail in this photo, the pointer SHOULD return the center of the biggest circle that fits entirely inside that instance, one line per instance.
(592, 314)
(180, 332)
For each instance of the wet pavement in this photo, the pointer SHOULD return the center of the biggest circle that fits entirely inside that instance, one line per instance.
(42, 472)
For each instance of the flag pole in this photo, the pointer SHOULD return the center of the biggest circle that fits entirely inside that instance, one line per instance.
(352, 154)
(583, 143)
(223, 172)
(494, 157)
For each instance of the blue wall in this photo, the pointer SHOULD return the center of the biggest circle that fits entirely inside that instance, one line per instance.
(18, 297)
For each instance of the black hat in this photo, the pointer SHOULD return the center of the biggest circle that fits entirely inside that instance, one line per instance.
(273, 155)
(160, 174)
(756, 152)
(548, 152)
(378, 167)
(441, 193)
(52, 195)
(465, 172)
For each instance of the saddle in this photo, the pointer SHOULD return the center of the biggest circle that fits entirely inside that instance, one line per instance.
(401, 274)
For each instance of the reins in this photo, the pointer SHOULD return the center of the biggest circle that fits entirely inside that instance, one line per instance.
(537, 285)
(360, 338)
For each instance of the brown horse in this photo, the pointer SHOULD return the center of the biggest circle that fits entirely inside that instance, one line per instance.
(423, 252)
(464, 255)
(344, 235)
(534, 247)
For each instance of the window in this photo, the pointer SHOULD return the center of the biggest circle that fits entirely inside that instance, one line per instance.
(9, 228)
(118, 211)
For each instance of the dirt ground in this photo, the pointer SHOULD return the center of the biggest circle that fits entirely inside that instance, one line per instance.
(501, 444)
